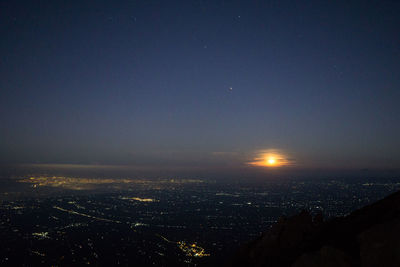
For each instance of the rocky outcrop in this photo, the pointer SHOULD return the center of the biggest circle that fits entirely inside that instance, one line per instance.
(367, 237)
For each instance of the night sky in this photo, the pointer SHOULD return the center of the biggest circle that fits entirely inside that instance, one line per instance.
(201, 85)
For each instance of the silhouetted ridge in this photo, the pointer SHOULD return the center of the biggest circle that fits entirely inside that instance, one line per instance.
(367, 237)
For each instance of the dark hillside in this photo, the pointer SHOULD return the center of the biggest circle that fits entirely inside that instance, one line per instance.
(367, 237)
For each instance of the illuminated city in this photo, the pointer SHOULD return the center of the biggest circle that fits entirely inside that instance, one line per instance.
(157, 222)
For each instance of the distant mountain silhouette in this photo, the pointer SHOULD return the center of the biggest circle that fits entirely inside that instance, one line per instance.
(367, 237)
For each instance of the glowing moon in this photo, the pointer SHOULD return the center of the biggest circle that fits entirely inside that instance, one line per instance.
(271, 161)
(270, 158)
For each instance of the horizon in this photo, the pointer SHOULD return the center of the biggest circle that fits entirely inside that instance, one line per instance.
(239, 174)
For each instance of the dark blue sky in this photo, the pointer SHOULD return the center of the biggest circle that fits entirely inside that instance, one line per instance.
(200, 84)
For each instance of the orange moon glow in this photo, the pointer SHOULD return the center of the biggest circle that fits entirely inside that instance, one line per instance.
(270, 158)
(271, 161)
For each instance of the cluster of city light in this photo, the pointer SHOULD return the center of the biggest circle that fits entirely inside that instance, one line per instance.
(140, 199)
(41, 235)
(78, 183)
(192, 250)
(74, 183)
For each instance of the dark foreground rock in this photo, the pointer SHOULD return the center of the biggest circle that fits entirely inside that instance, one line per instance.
(367, 237)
